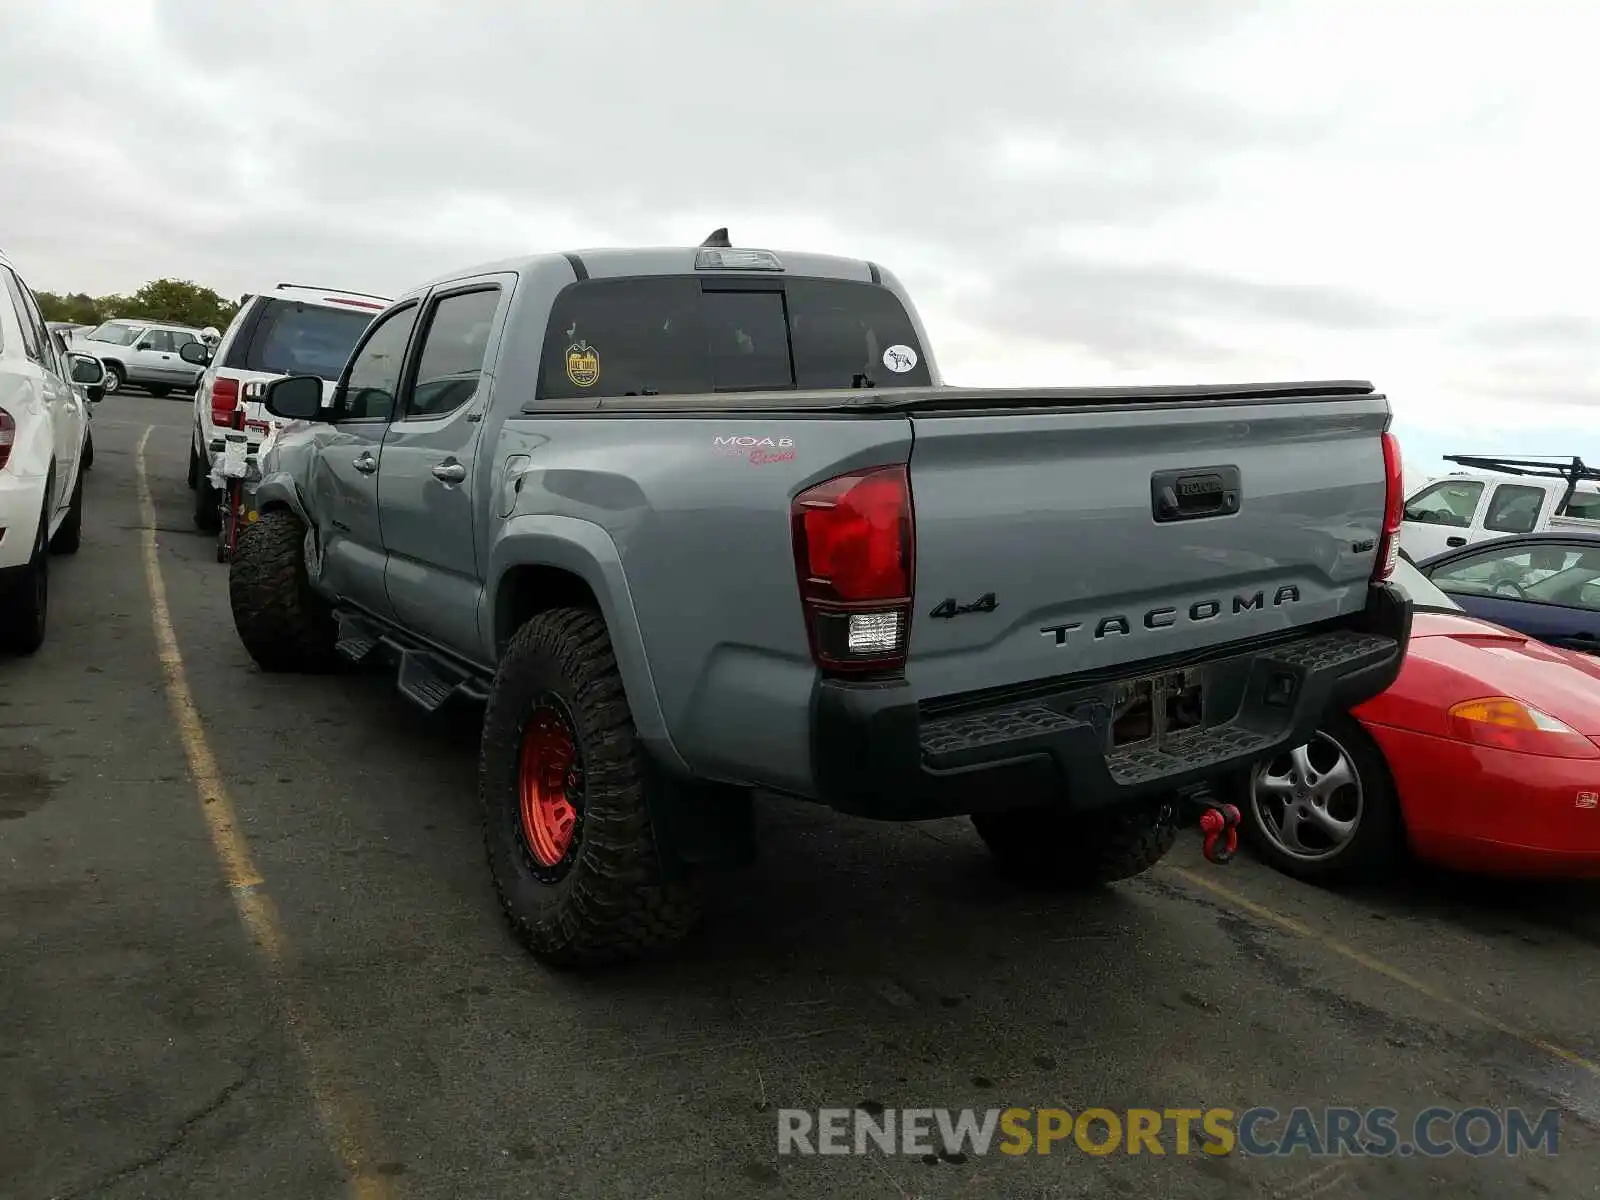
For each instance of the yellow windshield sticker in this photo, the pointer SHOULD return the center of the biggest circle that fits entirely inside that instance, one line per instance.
(583, 364)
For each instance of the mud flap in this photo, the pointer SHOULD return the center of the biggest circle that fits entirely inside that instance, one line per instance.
(699, 826)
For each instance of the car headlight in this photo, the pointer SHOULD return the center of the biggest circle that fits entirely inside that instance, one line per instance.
(1507, 724)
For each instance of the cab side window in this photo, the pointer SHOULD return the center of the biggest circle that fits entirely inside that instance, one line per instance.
(1451, 502)
(374, 374)
(453, 348)
(1511, 573)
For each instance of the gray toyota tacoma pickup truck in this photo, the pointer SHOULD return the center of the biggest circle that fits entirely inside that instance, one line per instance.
(703, 523)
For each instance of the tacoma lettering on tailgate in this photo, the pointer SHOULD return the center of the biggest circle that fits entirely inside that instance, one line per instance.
(1167, 615)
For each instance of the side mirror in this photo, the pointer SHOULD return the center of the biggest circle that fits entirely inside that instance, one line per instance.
(85, 369)
(142, 346)
(295, 398)
(197, 353)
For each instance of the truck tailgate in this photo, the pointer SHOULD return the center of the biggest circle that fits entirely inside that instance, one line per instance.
(1089, 527)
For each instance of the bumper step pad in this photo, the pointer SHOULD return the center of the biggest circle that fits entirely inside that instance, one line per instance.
(1030, 725)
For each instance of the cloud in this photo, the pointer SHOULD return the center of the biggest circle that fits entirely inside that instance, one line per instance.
(1558, 331)
(888, 117)
(1137, 314)
(1106, 193)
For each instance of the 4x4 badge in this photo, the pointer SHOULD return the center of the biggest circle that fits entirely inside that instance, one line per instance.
(949, 608)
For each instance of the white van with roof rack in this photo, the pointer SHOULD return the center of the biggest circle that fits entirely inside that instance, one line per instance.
(1500, 497)
(291, 329)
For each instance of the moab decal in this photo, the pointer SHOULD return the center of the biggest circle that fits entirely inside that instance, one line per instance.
(756, 449)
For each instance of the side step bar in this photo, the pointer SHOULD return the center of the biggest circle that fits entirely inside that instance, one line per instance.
(428, 679)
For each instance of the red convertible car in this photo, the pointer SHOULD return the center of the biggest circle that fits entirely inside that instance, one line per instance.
(1484, 756)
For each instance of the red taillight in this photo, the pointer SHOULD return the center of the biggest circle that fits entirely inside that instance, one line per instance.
(8, 437)
(1393, 509)
(854, 552)
(224, 399)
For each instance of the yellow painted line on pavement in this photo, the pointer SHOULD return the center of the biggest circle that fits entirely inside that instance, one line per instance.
(342, 1114)
(1376, 965)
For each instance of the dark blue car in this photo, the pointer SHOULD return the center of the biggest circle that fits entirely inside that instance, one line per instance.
(1546, 585)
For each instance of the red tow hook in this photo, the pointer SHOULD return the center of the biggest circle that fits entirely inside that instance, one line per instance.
(1220, 825)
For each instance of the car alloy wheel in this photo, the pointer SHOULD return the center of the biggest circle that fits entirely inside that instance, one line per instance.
(1309, 801)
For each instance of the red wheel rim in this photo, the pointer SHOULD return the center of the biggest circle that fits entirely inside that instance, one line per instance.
(546, 781)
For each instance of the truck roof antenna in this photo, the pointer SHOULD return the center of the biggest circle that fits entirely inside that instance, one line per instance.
(718, 239)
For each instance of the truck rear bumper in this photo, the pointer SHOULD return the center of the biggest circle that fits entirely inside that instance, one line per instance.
(877, 752)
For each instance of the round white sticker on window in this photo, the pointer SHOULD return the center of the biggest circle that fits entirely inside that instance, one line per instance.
(900, 359)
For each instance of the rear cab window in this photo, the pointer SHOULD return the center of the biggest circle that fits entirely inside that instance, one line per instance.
(290, 337)
(666, 335)
(1514, 508)
(1585, 505)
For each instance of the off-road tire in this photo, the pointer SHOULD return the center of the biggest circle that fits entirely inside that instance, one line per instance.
(25, 608)
(116, 378)
(69, 536)
(612, 903)
(1055, 847)
(159, 390)
(207, 504)
(282, 622)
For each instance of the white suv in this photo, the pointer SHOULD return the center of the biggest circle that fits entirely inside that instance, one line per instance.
(289, 330)
(148, 353)
(44, 422)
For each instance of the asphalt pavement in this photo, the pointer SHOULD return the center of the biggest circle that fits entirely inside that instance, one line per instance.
(248, 946)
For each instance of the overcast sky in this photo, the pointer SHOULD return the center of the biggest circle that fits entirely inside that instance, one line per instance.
(1172, 190)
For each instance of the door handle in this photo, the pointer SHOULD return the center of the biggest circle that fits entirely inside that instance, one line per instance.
(450, 472)
(365, 463)
(1455, 541)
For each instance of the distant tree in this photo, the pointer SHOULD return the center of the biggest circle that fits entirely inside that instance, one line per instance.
(182, 302)
(178, 301)
(79, 308)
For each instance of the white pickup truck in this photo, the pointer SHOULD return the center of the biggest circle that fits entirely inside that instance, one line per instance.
(1499, 497)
